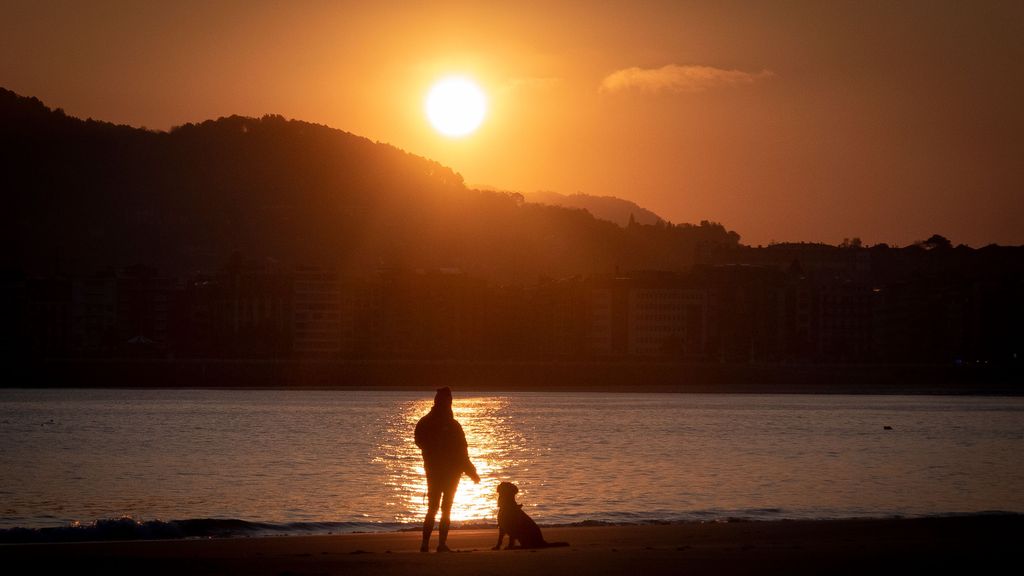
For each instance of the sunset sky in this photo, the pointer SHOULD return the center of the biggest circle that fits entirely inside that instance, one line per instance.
(786, 121)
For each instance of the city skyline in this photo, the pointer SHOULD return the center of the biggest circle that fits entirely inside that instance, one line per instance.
(785, 305)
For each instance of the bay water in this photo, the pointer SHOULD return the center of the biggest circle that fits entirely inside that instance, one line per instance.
(285, 461)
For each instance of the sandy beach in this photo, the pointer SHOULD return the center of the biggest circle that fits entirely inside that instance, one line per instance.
(975, 544)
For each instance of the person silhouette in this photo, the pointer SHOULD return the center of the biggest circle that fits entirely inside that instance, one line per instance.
(445, 458)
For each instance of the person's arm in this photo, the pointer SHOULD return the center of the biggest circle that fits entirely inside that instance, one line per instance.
(471, 472)
(468, 467)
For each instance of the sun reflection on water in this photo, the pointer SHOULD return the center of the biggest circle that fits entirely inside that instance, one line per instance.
(493, 444)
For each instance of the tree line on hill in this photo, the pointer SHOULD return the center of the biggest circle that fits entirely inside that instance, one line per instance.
(83, 194)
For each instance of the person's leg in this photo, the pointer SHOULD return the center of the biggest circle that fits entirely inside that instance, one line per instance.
(446, 512)
(433, 499)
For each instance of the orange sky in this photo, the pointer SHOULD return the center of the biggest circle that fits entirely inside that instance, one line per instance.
(783, 120)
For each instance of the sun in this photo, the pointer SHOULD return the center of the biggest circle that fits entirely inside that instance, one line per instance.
(455, 106)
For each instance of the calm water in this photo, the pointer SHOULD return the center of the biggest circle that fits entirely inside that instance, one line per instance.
(345, 460)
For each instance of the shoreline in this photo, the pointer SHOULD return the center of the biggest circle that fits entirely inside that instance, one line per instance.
(126, 529)
(562, 376)
(969, 544)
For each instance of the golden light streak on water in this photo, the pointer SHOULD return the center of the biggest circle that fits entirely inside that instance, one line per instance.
(492, 448)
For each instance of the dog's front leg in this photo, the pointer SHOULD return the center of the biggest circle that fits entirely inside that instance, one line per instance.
(501, 536)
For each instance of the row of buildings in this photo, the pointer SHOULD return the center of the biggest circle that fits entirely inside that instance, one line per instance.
(730, 313)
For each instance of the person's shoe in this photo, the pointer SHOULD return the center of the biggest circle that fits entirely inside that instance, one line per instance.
(424, 547)
(443, 548)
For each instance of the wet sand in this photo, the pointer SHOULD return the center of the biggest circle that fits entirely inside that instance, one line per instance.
(971, 545)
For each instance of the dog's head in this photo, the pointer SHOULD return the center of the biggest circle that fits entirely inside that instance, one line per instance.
(507, 489)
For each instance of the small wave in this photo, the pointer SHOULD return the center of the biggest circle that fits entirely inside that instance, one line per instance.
(128, 528)
(660, 517)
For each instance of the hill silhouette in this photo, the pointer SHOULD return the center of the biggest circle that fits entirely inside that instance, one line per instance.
(85, 194)
(610, 208)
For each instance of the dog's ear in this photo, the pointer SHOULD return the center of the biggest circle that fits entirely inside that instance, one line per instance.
(508, 487)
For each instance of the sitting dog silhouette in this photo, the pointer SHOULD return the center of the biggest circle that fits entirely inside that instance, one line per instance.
(516, 523)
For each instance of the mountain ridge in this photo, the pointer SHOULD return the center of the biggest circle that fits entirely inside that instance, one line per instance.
(611, 208)
(89, 194)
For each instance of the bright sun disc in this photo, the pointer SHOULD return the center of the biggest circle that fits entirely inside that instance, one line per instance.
(456, 106)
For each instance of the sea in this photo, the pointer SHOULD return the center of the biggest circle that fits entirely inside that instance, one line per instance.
(96, 464)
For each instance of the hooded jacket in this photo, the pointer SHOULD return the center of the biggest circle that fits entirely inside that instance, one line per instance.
(445, 452)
